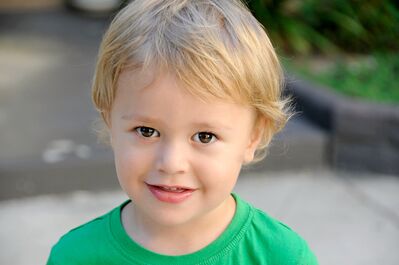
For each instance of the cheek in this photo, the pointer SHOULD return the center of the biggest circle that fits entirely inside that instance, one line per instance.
(130, 162)
(218, 171)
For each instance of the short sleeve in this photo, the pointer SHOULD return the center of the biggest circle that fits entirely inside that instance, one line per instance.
(50, 260)
(308, 257)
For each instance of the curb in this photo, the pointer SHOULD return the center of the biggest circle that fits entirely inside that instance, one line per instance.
(31, 178)
(364, 135)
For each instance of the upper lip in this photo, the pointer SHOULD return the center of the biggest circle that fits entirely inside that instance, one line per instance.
(171, 186)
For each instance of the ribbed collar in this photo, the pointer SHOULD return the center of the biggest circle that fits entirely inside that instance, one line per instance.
(207, 255)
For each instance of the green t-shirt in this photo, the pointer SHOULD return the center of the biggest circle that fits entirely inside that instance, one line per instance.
(252, 237)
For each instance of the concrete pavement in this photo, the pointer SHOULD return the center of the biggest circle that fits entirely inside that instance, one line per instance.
(346, 219)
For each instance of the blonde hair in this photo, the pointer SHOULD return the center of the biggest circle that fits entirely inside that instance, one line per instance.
(215, 47)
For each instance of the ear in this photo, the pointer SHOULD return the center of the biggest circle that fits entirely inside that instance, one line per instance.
(255, 139)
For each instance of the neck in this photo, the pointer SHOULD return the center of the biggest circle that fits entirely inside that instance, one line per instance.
(178, 239)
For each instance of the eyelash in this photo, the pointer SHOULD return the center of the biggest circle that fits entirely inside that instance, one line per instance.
(209, 136)
(139, 131)
(213, 137)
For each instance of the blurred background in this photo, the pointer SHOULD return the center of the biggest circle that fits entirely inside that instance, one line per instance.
(350, 46)
(332, 174)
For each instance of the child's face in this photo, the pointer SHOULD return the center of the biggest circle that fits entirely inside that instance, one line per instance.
(177, 157)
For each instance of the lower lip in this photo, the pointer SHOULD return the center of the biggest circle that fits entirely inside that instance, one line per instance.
(168, 196)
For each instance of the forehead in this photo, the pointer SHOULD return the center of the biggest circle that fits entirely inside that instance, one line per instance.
(136, 78)
(140, 78)
(146, 83)
(149, 95)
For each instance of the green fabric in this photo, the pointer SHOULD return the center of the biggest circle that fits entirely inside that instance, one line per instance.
(252, 237)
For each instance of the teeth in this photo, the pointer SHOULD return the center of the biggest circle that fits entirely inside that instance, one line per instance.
(172, 189)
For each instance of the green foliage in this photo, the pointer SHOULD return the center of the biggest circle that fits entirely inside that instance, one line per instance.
(374, 77)
(304, 26)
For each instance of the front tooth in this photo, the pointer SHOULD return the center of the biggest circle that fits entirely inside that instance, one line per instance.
(171, 188)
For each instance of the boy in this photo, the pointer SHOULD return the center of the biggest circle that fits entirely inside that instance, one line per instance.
(189, 91)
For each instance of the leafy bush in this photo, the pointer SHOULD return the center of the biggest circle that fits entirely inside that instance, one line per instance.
(369, 77)
(303, 26)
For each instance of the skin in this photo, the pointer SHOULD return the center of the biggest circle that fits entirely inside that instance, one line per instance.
(163, 135)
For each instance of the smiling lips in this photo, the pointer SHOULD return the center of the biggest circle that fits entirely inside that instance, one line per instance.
(170, 194)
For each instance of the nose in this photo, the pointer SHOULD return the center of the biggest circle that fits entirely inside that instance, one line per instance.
(172, 159)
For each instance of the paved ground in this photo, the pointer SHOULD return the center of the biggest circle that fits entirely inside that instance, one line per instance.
(346, 219)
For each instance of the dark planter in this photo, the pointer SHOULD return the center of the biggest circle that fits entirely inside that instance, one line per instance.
(364, 135)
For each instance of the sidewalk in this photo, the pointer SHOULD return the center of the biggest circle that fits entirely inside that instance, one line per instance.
(345, 219)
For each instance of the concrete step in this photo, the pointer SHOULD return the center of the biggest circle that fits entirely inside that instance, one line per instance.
(300, 145)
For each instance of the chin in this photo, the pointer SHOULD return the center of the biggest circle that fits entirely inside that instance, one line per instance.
(173, 216)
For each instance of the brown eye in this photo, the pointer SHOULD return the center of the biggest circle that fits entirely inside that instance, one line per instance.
(204, 137)
(147, 132)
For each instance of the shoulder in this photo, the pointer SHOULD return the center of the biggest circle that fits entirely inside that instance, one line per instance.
(276, 242)
(82, 242)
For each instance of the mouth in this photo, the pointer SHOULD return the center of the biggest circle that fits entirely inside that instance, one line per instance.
(171, 188)
(170, 194)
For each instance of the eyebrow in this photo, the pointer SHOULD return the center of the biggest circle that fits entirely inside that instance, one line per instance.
(129, 117)
(210, 126)
(142, 118)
